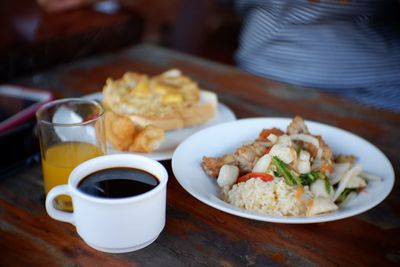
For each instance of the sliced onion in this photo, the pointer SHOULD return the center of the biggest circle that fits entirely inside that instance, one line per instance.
(371, 177)
(354, 171)
(316, 165)
(227, 175)
(318, 189)
(304, 155)
(356, 182)
(283, 152)
(284, 140)
(303, 166)
(273, 138)
(305, 138)
(321, 205)
(349, 198)
(338, 172)
(262, 163)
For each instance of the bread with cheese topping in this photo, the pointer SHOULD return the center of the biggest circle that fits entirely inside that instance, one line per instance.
(169, 101)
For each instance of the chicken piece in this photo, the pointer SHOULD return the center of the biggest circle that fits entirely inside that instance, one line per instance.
(297, 126)
(247, 155)
(244, 157)
(327, 154)
(212, 165)
(345, 159)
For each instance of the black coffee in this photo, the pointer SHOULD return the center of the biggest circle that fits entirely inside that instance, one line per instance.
(118, 182)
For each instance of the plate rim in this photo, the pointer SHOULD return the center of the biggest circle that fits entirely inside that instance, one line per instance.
(281, 219)
(166, 155)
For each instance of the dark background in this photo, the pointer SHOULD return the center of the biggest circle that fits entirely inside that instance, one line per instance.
(32, 40)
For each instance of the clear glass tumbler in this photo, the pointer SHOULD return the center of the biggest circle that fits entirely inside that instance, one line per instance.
(71, 131)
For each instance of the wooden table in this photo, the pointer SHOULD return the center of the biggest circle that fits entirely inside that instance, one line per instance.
(196, 234)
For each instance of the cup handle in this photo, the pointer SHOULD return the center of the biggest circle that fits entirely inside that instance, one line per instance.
(55, 213)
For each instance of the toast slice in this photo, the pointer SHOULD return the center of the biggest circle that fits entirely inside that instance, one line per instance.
(169, 101)
(192, 115)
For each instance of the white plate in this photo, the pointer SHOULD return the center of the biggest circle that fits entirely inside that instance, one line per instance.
(225, 138)
(174, 138)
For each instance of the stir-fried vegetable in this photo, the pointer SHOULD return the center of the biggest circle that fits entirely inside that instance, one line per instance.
(353, 172)
(294, 159)
(343, 196)
(309, 178)
(328, 186)
(284, 171)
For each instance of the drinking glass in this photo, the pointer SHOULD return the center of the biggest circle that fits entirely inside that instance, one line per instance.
(71, 131)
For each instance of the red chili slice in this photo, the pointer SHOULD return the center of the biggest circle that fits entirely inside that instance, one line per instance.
(263, 176)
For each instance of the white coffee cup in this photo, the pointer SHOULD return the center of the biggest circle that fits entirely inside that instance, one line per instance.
(114, 225)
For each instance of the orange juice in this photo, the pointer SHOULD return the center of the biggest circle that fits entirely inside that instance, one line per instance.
(59, 161)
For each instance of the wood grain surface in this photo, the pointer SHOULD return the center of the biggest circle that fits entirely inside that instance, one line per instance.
(196, 234)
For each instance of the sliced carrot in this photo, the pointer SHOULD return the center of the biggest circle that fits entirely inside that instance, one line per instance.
(310, 204)
(326, 167)
(263, 176)
(266, 132)
(299, 192)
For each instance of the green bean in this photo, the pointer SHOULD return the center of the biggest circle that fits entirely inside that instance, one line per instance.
(284, 170)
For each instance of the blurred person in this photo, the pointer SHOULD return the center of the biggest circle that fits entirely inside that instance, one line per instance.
(348, 47)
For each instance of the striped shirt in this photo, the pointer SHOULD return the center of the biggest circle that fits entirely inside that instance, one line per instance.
(348, 47)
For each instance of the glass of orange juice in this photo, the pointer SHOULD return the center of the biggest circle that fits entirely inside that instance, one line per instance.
(71, 131)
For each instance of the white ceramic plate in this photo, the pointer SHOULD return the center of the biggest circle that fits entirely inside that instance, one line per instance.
(225, 138)
(174, 138)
